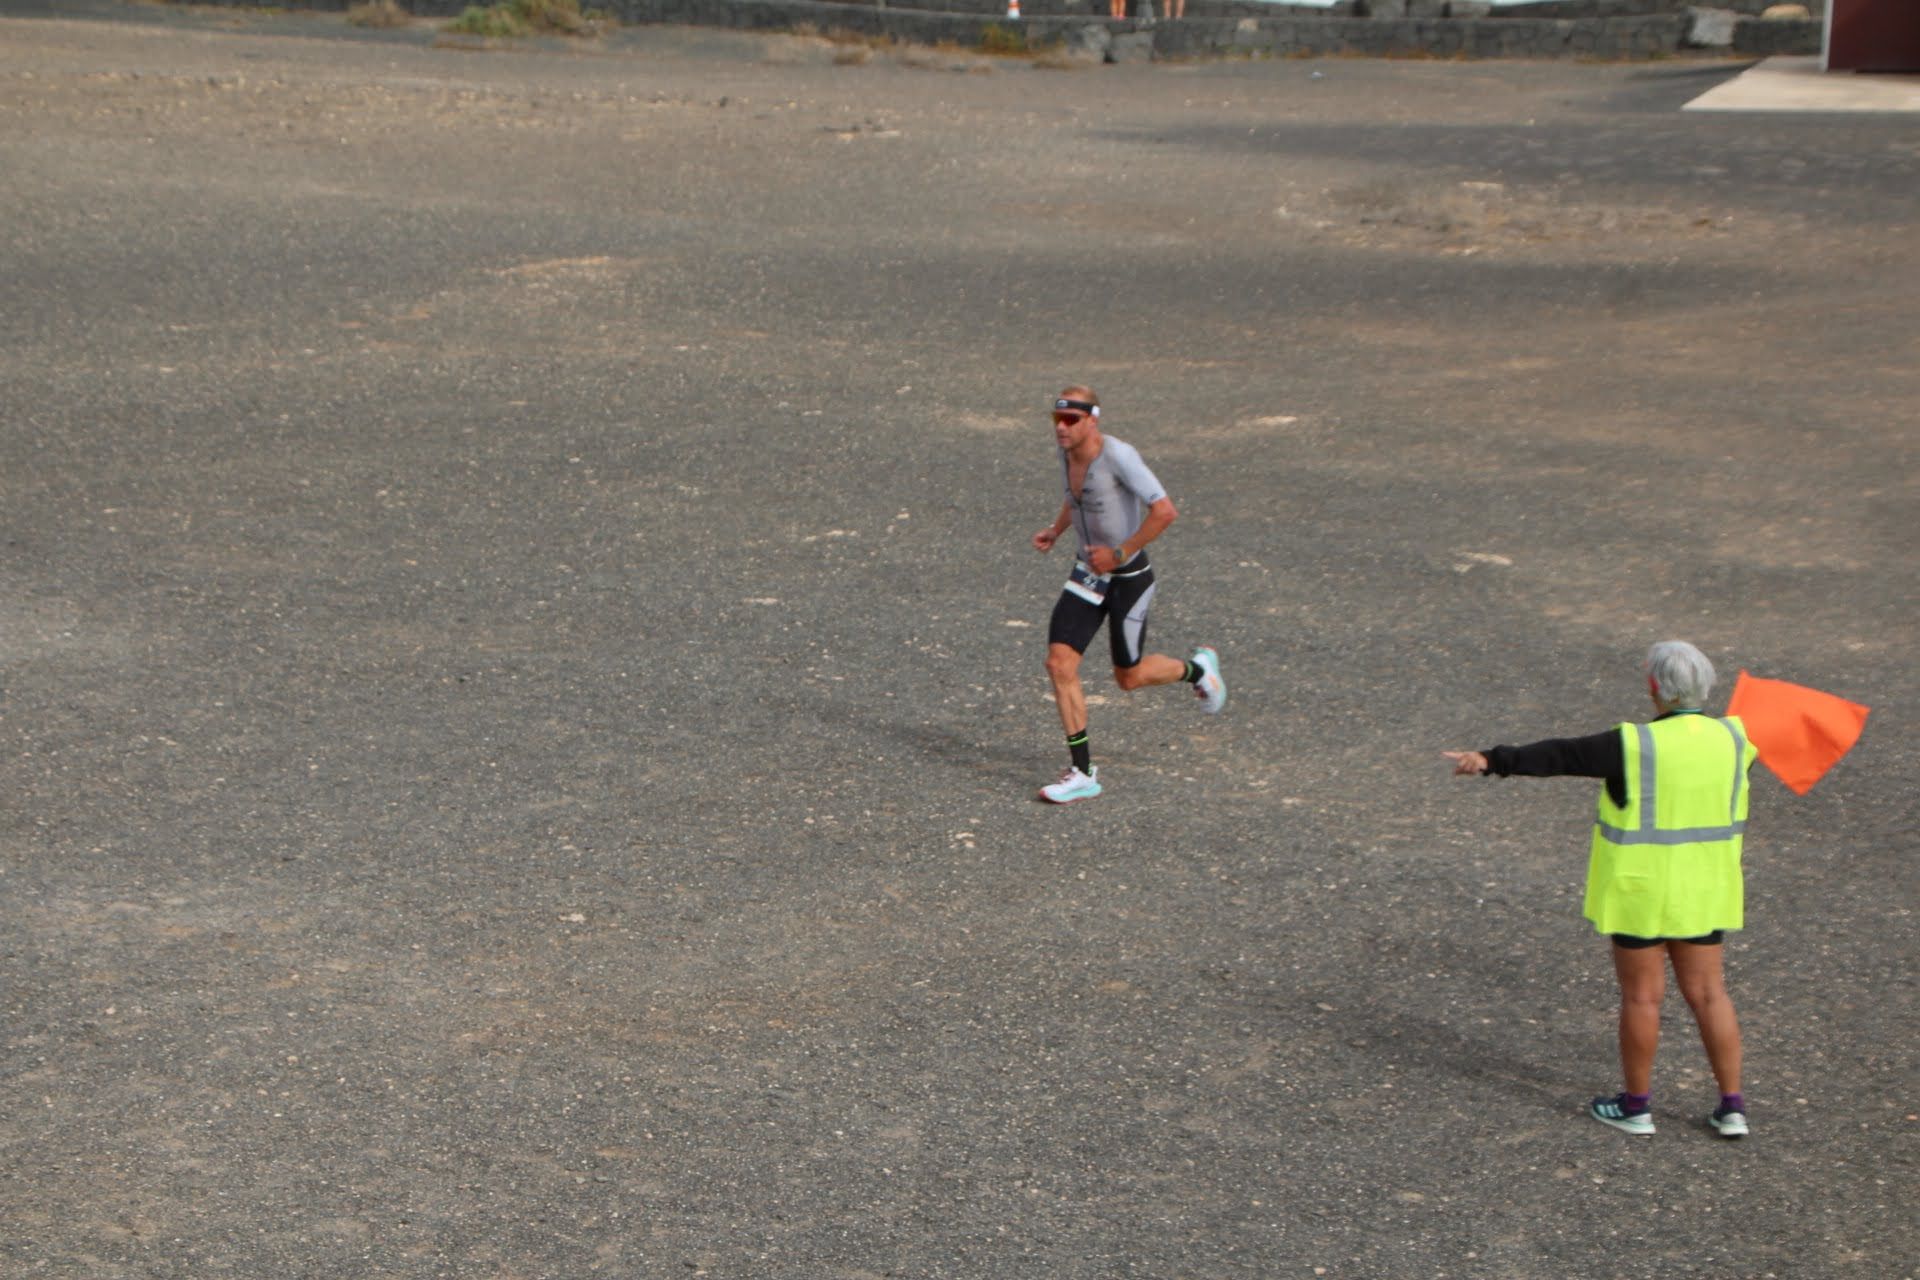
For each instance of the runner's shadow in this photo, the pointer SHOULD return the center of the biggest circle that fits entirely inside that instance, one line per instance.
(1435, 1048)
(977, 751)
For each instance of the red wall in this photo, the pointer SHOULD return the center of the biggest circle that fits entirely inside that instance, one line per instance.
(1873, 35)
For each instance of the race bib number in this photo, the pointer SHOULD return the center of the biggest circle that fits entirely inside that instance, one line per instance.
(1088, 585)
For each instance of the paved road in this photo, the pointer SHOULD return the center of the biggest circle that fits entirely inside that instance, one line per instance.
(522, 684)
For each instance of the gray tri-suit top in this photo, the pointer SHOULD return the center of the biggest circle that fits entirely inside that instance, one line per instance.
(1114, 497)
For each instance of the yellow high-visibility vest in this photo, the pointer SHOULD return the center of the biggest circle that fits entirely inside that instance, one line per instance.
(1666, 864)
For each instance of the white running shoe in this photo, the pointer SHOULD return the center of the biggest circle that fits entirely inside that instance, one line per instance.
(1613, 1111)
(1210, 688)
(1728, 1122)
(1073, 785)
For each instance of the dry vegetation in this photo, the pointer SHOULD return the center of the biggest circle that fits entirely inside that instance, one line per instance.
(378, 13)
(509, 18)
(853, 49)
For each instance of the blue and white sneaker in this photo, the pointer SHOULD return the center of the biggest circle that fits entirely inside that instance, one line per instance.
(1614, 1111)
(1073, 785)
(1729, 1122)
(1210, 688)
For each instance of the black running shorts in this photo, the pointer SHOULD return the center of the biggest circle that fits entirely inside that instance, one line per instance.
(1628, 942)
(1076, 620)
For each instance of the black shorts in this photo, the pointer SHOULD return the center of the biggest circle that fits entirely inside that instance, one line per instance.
(1076, 620)
(1628, 942)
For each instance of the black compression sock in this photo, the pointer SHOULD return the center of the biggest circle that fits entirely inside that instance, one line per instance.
(1193, 673)
(1082, 754)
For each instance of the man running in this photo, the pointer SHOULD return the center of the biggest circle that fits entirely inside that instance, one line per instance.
(1117, 507)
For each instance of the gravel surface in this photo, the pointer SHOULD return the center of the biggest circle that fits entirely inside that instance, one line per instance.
(520, 663)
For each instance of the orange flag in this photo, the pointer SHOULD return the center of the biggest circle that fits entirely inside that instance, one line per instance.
(1799, 732)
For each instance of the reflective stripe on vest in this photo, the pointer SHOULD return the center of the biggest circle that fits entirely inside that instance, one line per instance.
(1650, 834)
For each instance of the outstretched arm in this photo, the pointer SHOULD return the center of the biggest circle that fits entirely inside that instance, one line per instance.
(1598, 755)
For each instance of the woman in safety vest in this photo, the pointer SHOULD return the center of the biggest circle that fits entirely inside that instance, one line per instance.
(1663, 878)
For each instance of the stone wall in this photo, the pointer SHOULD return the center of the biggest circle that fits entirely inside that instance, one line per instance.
(1212, 27)
(1766, 39)
(1643, 37)
(1635, 8)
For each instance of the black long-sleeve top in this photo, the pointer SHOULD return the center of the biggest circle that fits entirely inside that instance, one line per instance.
(1598, 755)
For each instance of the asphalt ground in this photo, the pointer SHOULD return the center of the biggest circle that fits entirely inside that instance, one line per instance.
(522, 663)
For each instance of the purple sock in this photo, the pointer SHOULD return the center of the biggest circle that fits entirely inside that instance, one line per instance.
(1733, 1102)
(1637, 1102)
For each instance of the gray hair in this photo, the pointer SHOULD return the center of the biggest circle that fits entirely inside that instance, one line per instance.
(1681, 673)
